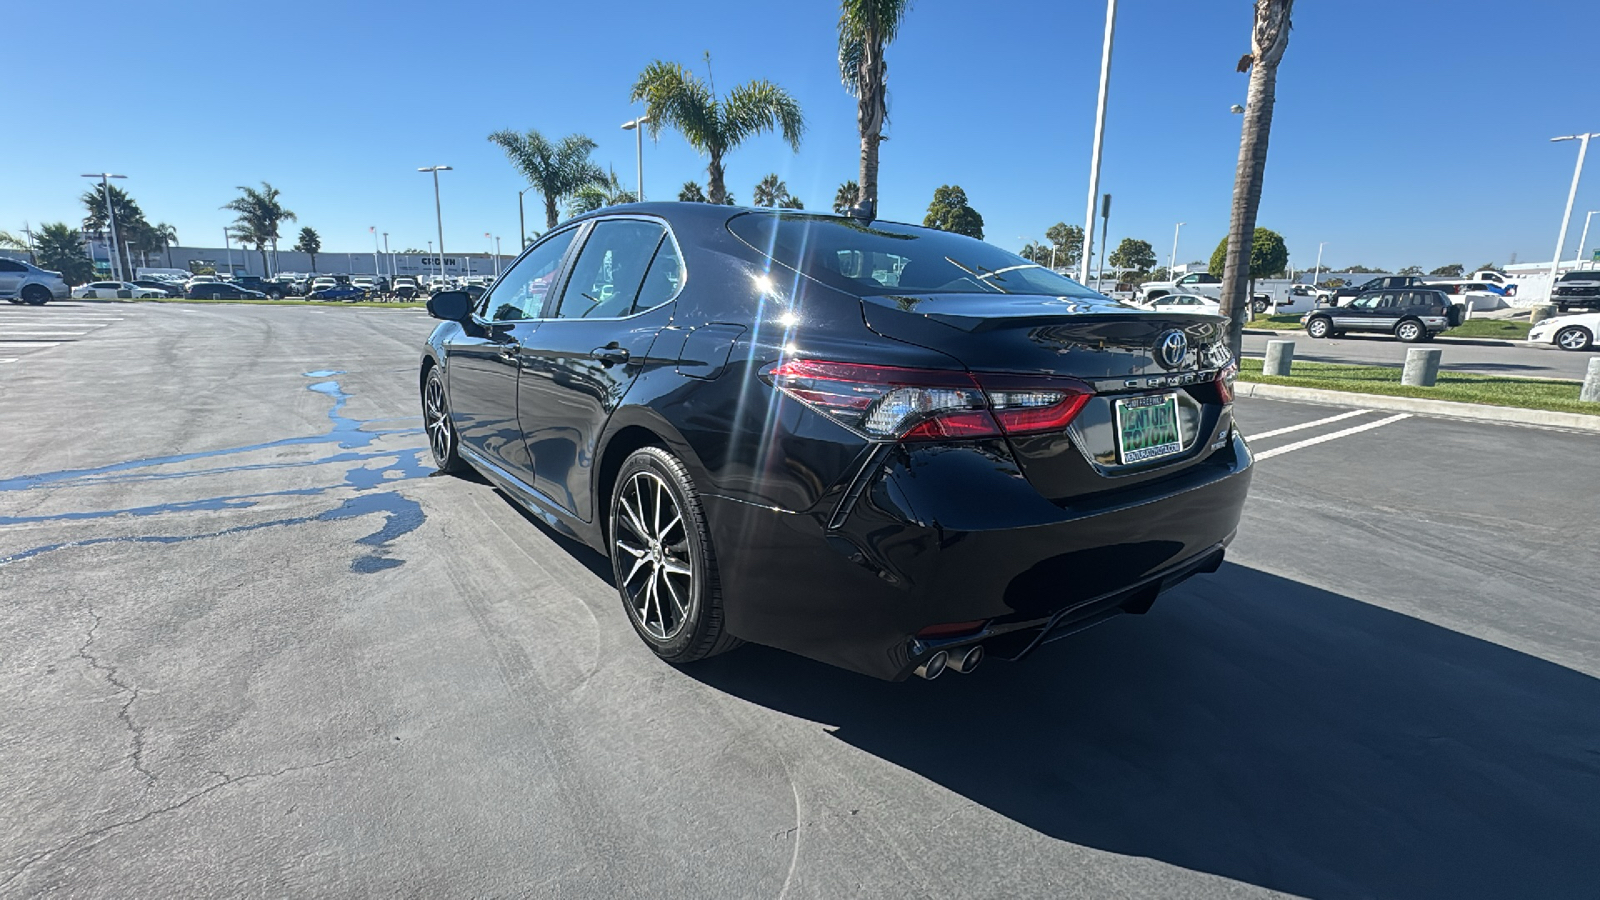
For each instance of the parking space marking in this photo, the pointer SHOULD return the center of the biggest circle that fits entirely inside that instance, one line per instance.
(41, 332)
(1310, 442)
(8, 359)
(1277, 431)
(18, 345)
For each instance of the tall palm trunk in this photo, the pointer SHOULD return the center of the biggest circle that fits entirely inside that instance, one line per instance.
(1269, 37)
(716, 191)
(870, 107)
(263, 249)
(551, 217)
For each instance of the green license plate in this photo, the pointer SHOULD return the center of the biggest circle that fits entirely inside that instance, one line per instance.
(1147, 428)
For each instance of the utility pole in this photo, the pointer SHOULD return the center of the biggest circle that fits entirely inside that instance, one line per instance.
(111, 218)
(1099, 141)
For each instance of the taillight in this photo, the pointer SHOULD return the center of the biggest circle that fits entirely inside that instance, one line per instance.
(891, 403)
(1225, 380)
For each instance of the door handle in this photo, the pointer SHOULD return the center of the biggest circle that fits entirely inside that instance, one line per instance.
(510, 349)
(609, 356)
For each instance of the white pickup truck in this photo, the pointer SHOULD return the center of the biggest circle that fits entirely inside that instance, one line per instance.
(1278, 292)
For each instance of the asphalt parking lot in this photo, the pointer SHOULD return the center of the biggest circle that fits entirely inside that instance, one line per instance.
(256, 646)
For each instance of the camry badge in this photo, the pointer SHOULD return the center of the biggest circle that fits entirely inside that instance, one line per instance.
(1172, 349)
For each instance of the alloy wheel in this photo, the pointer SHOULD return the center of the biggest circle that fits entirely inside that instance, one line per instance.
(651, 532)
(440, 437)
(1573, 339)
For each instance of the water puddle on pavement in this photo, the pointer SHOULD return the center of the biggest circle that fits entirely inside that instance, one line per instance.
(401, 515)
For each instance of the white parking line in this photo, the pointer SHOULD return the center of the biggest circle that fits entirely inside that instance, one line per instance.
(1304, 425)
(18, 345)
(8, 359)
(1320, 439)
(41, 332)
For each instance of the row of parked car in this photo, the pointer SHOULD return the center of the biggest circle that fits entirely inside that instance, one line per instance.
(251, 287)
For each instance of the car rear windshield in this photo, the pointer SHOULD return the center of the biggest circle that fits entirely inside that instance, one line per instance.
(885, 258)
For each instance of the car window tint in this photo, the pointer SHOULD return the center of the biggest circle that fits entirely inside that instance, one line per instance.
(610, 269)
(520, 293)
(883, 258)
(663, 279)
(7, 265)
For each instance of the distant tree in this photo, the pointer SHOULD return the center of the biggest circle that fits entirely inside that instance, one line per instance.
(845, 198)
(1133, 254)
(557, 169)
(1452, 270)
(1332, 283)
(949, 212)
(311, 242)
(1410, 270)
(1361, 270)
(168, 235)
(1268, 255)
(769, 191)
(1159, 273)
(60, 249)
(1269, 38)
(1488, 267)
(260, 214)
(691, 193)
(727, 199)
(1068, 241)
(7, 239)
(865, 27)
(607, 191)
(133, 231)
(1035, 253)
(675, 97)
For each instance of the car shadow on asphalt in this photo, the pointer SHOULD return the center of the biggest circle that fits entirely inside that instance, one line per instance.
(1256, 728)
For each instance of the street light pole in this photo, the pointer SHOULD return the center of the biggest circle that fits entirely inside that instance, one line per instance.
(111, 218)
(637, 127)
(387, 257)
(1566, 217)
(1584, 238)
(522, 222)
(490, 238)
(497, 257)
(376, 271)
(437, 214)
(1317, 274)
(230, 251)
(1172, 261)
(1099, 141)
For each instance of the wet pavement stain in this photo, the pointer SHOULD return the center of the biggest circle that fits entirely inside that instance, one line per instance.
(401, 515)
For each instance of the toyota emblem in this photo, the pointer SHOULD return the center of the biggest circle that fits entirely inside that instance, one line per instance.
(1172, 349)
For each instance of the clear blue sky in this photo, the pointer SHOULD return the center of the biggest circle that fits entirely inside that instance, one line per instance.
(1405, 133)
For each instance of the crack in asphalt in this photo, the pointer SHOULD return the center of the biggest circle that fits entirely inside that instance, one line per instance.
(94, 836)
(135, 730)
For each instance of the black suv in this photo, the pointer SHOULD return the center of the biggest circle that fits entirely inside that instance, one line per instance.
(1411, 315)
(1577, 289)
(1384, 283)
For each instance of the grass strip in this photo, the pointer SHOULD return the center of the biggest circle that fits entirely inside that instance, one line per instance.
(1501, 329)
(1493, 390)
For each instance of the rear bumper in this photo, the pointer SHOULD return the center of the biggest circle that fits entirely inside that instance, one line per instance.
(919, 548)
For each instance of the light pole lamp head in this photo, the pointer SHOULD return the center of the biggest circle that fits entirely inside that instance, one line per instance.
(433, 169)
(1236, 109)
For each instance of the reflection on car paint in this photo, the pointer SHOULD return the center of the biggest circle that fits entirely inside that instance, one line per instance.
(401, 515)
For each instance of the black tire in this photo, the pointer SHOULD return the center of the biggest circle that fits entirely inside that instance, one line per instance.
(35, 295)
(1259, 306)
(1411, 331)
(1319, 327)
(1575, 338)
(677, 613)
(442, 440)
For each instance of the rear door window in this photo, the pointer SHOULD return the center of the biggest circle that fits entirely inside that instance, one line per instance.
(610, 270)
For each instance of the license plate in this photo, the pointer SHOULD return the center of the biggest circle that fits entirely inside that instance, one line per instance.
(1147, 428)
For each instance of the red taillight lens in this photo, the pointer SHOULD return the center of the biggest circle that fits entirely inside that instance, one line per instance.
(893, 403)
(1225, 380)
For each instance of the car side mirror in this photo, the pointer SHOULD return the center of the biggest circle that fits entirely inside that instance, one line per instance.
(451, 306)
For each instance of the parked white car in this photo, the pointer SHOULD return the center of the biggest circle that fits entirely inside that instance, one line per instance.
(113, 290)
(1568, 332)
(1184, 303)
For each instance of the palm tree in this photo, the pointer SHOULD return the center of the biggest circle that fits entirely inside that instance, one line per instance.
(310, 242)
(557, 170)
(259, 216)
(167, 235)
(606, 191)
(674, 96)
(691, 193)
(1269, 37)
(849, 193)
(60, 248)
(770, 191)
(132, 229)
(865, 26)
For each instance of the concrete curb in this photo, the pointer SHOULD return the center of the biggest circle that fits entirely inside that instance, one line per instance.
(1480, 342)
(1477, 412)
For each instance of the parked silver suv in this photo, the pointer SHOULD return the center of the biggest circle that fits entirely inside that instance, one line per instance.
(22, 282)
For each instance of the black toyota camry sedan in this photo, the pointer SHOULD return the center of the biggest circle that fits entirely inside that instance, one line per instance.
(881, 446)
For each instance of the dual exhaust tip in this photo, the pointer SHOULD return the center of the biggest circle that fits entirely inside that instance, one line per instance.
(962, 659)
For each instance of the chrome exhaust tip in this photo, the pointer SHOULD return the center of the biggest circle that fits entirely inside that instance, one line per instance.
(934, 667)
(966, 659)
